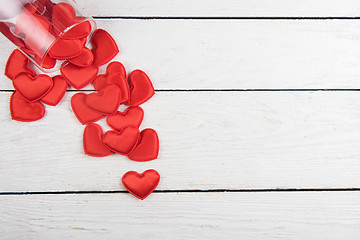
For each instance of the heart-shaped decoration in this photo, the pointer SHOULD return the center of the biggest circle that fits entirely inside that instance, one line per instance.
(65, 49)
(47, 63)
(67, 24)
(92, 141)
(32, 88)
(141, 88)
(122, 142)
(132, 117)
(148, 147)
(105, 47)
(57, 92)
(116, 67)
(106, 101)
(84, 59)
(79, 77)
(5, 29)
(24, 111)
(114, 78)
(18, 63)
(141, 185)
(82, 111)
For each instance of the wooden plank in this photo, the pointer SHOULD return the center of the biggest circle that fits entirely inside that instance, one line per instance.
(209, 140)
(225, 8)
(295, 216)
(278, 54)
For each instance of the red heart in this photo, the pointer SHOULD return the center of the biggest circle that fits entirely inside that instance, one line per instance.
(18, 63)
(32, 88)
(92, 141)
(82, 111)
(24, 111)
(64, 49)
(113, 67)
(106, 101)
(105, 47)
(114, 78)
(84, 59)
(5, 29)
(148, 147)
(57, 92)
(47, 62)
(141, 185)
(79, 77)
(65, 20)
(141, 88)
(122, 142)
(132, 117)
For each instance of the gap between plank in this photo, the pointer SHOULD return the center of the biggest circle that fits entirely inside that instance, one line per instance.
(224, 18)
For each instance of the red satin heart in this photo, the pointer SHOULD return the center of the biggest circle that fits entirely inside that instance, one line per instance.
(148, 147)
(141, 88)
(141, 185)
(132, 117)
(105, 47)
(24, 111)
(47, 63)
(122, 142)
(32, 88)
(114, 78)
(112, 68)
(64, 49)
(68, 24)
(5, 29)
(106, 101)
(92, 141)
(18, 63)
(79, 77)
(57, 92)
(84, 59)
(82, 111)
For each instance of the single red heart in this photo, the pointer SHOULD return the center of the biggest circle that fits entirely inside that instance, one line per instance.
(18, 63)
(84, 59)
(106, 101)
(114, 78)
(79, 77)
(112, 68)
(141, 185)
(82, 111)
(65, 49)
(141, 88)
(32, 88)
(105, 47)
(122, 142)
(47, 62)
(92, 141)
(132, 117)
(57, 92)
(24, 111)
(67, 24)
(147, 148)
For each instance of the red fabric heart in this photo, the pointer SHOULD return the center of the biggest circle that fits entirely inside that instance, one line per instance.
(132, 117)
(32, 88)
(114, 78)
(24, 111)
(105, 47)
(122, 142)
(116, 67)
(57, 92)
(64, 49)
(141, 88)
(47, 63)
(106, 101)
(82, 111)
(84, 59)
(5, 29)
(141, 185)
(65, 21)
(79, 77)
(18, 63)
(148, 147)
(92, 142)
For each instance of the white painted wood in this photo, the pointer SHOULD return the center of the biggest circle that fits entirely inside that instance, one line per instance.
(186, 54)
(224, 8)
(209, 140)
(290, 216)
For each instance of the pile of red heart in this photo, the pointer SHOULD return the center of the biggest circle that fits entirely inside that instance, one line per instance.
(113, 89)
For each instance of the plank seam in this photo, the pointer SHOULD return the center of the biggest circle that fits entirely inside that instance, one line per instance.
(222, 18)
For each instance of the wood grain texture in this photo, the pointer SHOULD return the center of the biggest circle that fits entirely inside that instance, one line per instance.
(294, 216)
(224, 8)
(208, 140)
(239, 54)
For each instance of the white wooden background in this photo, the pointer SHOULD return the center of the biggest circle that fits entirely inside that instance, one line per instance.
(258, 115)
